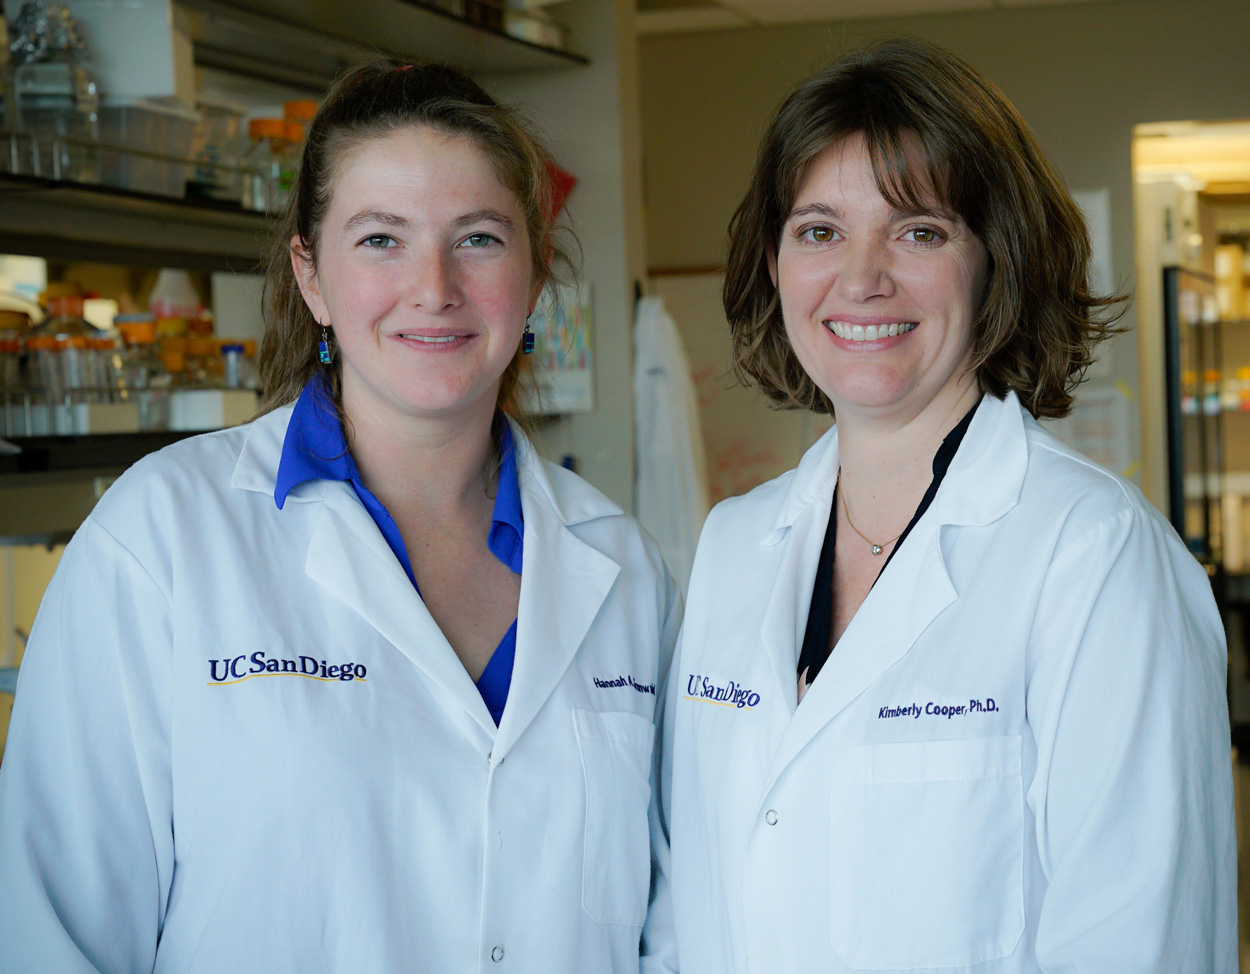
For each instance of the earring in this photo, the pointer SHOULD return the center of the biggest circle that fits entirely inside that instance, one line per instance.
(527, 339)
(323, 346)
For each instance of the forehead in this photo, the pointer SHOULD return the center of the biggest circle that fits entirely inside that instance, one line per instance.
(900, 174)
(416, 165)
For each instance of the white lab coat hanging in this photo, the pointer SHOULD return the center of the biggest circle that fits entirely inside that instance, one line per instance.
(671, 488)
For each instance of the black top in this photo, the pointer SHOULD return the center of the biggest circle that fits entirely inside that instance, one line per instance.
(820, 617)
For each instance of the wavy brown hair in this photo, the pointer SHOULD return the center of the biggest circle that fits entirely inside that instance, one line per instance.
(370, 102)
(1037, 323)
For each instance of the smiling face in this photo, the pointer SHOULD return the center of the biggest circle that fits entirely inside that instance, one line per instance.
(878, 304)
(424, 271)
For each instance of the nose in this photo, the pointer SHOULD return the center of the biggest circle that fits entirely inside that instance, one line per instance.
(434, 286)
(864, 271)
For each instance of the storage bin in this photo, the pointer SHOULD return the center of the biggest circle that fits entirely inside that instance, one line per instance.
(145, 146)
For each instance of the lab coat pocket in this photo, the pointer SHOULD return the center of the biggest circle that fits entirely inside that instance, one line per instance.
(616, 861)
(927, 853)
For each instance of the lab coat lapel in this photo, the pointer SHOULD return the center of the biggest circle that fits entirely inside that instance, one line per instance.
(982, 483)
(349, 558)
(908, 596)
(785, 614)
(564, 583)
(797, 536)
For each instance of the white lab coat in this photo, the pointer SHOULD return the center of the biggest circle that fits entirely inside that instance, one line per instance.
(671, 494)
(1016, 758)
(155, 817)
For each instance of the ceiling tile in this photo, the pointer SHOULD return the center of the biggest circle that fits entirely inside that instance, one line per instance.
(794, 11)
(678, 21)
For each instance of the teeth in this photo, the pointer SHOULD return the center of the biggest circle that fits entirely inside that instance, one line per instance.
(869, 333)
(431, 340)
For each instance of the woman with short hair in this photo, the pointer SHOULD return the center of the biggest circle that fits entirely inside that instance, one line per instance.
(948, 695)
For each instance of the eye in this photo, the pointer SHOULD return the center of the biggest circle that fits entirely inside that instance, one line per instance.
(476, 241)
(379, 241)
(818, 233)
(927, 236)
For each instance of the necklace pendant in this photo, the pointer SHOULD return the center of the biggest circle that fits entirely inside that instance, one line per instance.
(876, 549)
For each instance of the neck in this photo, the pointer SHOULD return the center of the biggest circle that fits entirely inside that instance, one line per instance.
(886, 466)
(435, 469)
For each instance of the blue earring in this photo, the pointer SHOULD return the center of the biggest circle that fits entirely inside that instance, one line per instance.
(527, 339)
(323, 346)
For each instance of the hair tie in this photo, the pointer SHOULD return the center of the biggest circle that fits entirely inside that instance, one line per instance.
(404, 67)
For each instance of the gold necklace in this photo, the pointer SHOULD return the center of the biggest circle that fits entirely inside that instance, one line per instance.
(875, 548)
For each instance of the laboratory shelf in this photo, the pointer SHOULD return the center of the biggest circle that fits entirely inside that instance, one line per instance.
(43, 454)
(64, 220)
(306, 43)
(51, 483)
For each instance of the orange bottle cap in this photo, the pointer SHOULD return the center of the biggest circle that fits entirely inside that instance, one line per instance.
(301, 110)
(137, 332)
(65, 305)
(267, 128)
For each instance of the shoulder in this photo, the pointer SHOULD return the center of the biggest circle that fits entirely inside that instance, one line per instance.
(551, 491)
(752, 513)
(187, 487)
(1076, 492)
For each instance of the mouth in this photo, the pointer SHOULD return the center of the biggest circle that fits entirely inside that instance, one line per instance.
(431, 339)
(869, 333)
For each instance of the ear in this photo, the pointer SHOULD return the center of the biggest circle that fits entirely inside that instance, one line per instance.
(536, 292)
(306, 277)
(770, 255)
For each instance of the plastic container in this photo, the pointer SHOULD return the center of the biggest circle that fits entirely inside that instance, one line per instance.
(65, 319)
(145, 146)
(1211, 392)
(263, 189)
(57, 104)
(173, 295)
(144, 376)
(218, 145)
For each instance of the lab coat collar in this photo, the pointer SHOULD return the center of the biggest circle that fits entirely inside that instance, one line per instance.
(982, 484)
(564, 581)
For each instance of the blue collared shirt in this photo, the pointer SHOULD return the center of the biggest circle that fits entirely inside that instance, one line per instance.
(315, 449)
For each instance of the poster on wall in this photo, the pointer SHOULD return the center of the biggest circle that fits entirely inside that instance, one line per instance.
(562, 380)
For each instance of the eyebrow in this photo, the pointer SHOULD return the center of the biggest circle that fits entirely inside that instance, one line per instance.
(477, 216)
(365, 217)
(822, 209)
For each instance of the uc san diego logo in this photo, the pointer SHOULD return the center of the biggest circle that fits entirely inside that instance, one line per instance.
(700, 688)
(223, 672)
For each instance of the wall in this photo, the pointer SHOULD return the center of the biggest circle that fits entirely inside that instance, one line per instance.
(591, 118)
(1082, 75)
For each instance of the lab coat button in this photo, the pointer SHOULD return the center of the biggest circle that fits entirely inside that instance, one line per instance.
(770, 817)
(497, 954)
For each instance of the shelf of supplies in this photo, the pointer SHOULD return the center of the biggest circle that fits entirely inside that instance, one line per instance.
(53, 454)
(62, 220)
(306, 43)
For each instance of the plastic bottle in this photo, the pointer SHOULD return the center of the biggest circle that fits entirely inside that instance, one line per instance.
(143, 373)
(65, 318)
(12, 388)
(234, 365)
(264, 190)
(173, 295)
(1211, 392)
(1243, 389)
(48, 388)
(1189, 392)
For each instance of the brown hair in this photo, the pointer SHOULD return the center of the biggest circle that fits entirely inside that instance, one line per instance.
(1037, 323)
(369, 102)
